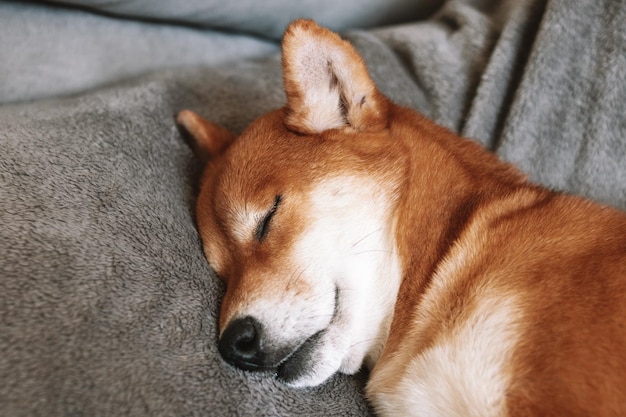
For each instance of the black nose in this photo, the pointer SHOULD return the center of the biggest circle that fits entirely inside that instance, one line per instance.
(241, 344)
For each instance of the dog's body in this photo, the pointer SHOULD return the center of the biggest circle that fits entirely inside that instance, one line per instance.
(350, 230)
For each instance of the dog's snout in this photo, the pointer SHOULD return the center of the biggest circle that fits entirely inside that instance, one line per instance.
(241, 344)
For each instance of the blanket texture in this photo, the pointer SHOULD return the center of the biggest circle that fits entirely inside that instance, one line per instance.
(107, 305)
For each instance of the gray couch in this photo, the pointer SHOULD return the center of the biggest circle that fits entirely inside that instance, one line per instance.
(107, 305)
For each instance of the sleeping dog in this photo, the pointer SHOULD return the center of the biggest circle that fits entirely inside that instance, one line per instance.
(352, 231)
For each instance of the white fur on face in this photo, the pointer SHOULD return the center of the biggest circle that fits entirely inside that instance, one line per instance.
(331, 309)
(288, 315)
(349, 245)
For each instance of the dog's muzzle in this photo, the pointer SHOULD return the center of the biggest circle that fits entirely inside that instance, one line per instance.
(244, 345)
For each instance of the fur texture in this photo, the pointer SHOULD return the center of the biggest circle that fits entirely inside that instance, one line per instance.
(350, 230)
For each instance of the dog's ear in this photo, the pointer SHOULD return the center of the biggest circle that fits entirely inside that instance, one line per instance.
(327, 83)
(206, 139)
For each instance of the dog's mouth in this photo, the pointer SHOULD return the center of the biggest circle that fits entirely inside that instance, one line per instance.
(242, 345)
(300, 360)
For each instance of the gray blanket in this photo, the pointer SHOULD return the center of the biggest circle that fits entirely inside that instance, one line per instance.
(107, 305)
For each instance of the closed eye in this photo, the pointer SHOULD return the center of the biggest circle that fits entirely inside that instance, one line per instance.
(264, 225)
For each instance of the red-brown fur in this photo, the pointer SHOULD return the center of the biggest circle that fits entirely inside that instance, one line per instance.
(563, 256)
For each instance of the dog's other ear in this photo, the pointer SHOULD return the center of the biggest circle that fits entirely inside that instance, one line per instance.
(327, 83)
(206, 139)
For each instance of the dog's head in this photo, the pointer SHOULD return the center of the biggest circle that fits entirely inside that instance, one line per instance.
(296, 216)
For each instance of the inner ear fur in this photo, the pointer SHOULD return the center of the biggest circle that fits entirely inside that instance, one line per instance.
(206, 138)
(327, 83)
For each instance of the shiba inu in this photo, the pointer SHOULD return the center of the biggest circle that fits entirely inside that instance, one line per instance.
(351, 231)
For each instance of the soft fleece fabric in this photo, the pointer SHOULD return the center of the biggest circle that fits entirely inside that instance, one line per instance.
(107, 305)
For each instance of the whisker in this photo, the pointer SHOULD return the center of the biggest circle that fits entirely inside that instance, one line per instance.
(317, 316)
(366, 236)
(375, 250)
(295, 277)
(365, 341)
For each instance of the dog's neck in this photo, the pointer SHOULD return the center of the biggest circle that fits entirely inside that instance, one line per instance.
(447, 179)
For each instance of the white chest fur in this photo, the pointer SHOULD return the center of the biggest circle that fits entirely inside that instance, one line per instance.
(465, 369)
(463, 374)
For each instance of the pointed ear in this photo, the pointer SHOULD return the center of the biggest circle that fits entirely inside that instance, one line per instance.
(327, 83)
(206, 139)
